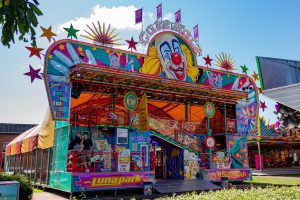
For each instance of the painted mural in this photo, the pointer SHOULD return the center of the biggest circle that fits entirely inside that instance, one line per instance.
(169, 56)
(237, 151)
(174, 162)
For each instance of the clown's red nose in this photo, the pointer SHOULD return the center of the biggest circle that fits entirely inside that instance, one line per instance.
(176, 58)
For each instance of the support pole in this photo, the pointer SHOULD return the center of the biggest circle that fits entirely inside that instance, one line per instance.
(48, 165)
(210, 151)
(225, 117)
(31, 165)
(20, 162)
(259, 156)
(36, 163)
(27, 155)
(42, 166)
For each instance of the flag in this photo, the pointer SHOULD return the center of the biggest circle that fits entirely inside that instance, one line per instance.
(178, 16)
(196, 34)
(143, 114)
(159, 11)
(139, 15)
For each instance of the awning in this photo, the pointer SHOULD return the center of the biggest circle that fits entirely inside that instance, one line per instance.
(40, 136)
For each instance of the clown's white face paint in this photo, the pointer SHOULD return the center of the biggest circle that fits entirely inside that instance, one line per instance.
(172, 58)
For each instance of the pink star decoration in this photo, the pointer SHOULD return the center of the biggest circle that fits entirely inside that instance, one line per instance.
(263, 105)
(33, 73)
(207, 60)
(131, 44)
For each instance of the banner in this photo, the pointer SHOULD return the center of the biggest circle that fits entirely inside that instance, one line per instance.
(143, 114)
(159, 11)
(110, 180)
(196, 33)
(178, 16)
(232, 174)
(60, 96)
(138, 16)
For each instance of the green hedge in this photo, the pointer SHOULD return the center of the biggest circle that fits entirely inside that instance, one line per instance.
(26, 190)
(269, 193)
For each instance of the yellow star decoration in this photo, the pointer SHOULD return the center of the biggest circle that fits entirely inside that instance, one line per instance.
(170, 173)
(94, 48)
(107, 51)
(255, 76)
(80, 49)
(50, 56)
(47, 32)
(180, 172)
(228, 75)
(241, 82)
(61, 47)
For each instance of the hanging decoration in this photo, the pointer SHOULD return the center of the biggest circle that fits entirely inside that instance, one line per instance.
(102, 35)
(263, 105)
(131, 44)
(207, 60)
(33, 73)
(71, 31)
(35, 51)
(225, 61)
(255, 76)
(244, 69)
(47, 32)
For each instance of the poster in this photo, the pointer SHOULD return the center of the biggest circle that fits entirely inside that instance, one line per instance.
(232, 174)
(231, 126)
(60, 96)
(191, 166)
(124, 160)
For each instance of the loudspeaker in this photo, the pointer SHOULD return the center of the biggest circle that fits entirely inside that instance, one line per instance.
(76, 91)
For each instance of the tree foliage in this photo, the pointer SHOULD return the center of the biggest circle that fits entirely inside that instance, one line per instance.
(18, 17)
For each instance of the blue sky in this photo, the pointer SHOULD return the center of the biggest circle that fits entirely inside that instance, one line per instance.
(244, 29)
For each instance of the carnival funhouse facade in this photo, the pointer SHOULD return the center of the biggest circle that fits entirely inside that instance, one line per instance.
(148, 117)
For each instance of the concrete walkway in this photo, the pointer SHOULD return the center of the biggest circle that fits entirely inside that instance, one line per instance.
(46, 196)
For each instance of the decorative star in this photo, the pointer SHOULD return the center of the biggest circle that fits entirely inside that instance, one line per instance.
(277, 107)
(255, 76)
(61, 47)
(277, 123)
(207, 60)
(47, 32)
(35, 51)
(33, 73)
(71, 31)
(50, 56)
(259, 90)
(244, 69)
(80, 49)
(94, 48)
(263, 105)
(132, 44)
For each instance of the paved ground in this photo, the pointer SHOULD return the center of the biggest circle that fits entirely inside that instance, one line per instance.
(46, 196)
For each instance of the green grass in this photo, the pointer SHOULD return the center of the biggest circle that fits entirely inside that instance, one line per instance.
(271, 180)
(269, 193)
(37, 190)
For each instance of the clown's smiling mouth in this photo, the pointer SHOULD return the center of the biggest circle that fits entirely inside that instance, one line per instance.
(178, 71)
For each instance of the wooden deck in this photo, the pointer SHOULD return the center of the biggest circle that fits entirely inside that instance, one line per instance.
(178, 186)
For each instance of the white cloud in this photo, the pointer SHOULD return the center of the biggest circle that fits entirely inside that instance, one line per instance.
(121, 17)
(169, 16)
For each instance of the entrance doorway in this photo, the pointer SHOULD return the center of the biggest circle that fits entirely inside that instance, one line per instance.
(159, 164)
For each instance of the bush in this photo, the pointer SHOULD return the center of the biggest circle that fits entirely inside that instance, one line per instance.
(26, 190)
(269, 193)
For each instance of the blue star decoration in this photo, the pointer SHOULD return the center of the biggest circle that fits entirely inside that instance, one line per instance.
(33, 73)
(244, 69)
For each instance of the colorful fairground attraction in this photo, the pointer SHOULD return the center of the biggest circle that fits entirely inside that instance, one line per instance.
(121, 119)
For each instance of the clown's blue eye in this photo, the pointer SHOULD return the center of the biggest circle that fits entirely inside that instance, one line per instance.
(165, 51)
(176, 46)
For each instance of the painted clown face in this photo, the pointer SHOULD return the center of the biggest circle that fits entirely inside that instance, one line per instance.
(172, 58)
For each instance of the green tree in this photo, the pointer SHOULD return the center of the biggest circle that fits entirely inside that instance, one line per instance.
(18, 17)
